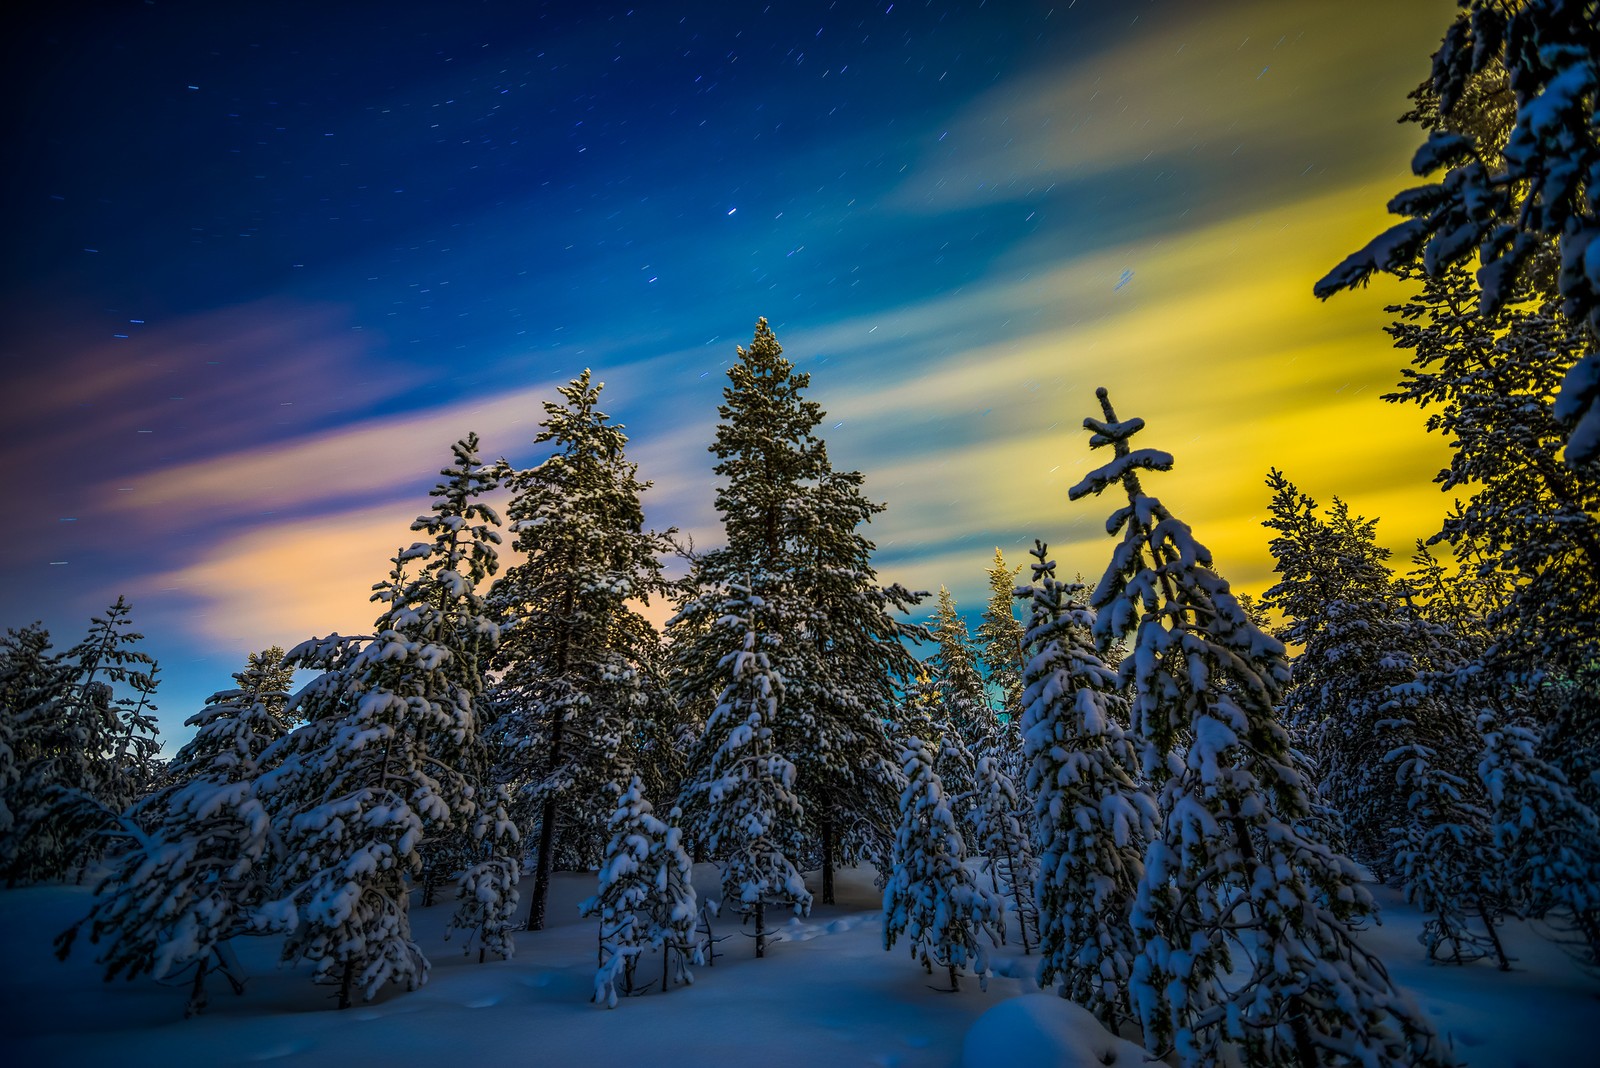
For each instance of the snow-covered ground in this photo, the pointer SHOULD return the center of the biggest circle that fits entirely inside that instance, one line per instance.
(828, 995)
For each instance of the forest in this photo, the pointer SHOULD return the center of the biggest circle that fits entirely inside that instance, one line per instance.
(1177, 797)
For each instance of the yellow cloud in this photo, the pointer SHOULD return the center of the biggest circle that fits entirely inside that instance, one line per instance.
(283, 583)
(1218, 345)
(1209, 80)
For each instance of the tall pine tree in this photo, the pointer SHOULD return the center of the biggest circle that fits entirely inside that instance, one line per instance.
(1091, 818)
(792, 527)
(1248, 947)
(391, 757)
(576, 660)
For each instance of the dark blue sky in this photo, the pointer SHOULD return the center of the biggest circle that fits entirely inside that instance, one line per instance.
(266, 261)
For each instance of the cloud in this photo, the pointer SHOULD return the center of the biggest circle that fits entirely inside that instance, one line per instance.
(308, 571)
(1280, 83)
(288, 581)
(964, 409)
(375, 458)
(1218, 345)
(198, 384)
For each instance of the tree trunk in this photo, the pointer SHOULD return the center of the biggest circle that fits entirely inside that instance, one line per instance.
(542, 864)
(1016, 897)
(1494, 936)
(827, 859)
(197, 992)
(345, 983)
(954, 983)
(761, 929)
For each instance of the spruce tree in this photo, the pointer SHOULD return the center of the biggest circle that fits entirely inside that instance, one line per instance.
(576, 661)
(486, 904)
(645, 898)
(1524, 532)
(1360, 637)
(1546, 839)
(753, 818)
(960, 682)
(195, 865)
(1248, 948)
(82, 752)
(390, 756)
(1005, 846)
(1091, 818)
(1000, 643)
(1510, 202)
(674, 906)
(625, 882)
(792, 524)
(1442, 844)
(931, 898)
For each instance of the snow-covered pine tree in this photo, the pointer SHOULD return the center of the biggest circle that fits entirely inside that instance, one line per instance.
(793, 521)
(486, 905)
(575, 663)
(237, 726)
(1546, 839)
(33, 683)
(1510, 203)
(645, 898)
(195, 864)
(625, 883)
(81, 752)
(674, 906)
(964, 723)
(1359, 637)
(1000, 643)
(1091, 818)
(924, 716)
(955, 666)
(387, 760)
(1248, 950)
(1526, 538)
(1004, 844)
(1443, 854)
(931, 898)
(752, 816)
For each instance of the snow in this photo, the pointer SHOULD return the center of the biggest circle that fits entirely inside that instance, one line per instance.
(1042, 1029)
(827, 994)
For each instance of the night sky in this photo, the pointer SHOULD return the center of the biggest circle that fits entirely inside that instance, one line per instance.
(266, 262)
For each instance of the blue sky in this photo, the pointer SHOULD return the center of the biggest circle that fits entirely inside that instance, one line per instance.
(268, 261)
